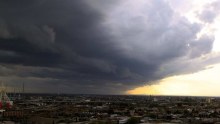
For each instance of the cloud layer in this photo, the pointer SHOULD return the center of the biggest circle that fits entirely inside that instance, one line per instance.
(95, 47)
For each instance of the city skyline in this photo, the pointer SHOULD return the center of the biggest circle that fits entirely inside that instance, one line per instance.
(153, 47)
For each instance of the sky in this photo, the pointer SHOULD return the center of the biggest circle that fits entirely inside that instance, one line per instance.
(152, 47)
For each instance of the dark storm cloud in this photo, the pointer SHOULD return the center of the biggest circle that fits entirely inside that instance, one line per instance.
(83, 47)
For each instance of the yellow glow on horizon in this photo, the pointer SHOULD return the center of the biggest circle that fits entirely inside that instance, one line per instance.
(203, 83)
(153, 89)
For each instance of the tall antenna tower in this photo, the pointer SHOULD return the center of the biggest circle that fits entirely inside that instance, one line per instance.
(23, 88)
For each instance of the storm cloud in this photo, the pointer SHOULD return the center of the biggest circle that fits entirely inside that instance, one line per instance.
(210, 12)
(95, 47)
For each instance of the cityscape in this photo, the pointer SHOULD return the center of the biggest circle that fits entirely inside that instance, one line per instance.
(110, 109)
(109, 61)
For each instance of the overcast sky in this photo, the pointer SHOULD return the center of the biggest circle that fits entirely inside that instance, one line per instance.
(104, 46)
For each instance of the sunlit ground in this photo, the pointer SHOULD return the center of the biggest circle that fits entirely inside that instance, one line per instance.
(203, 83)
